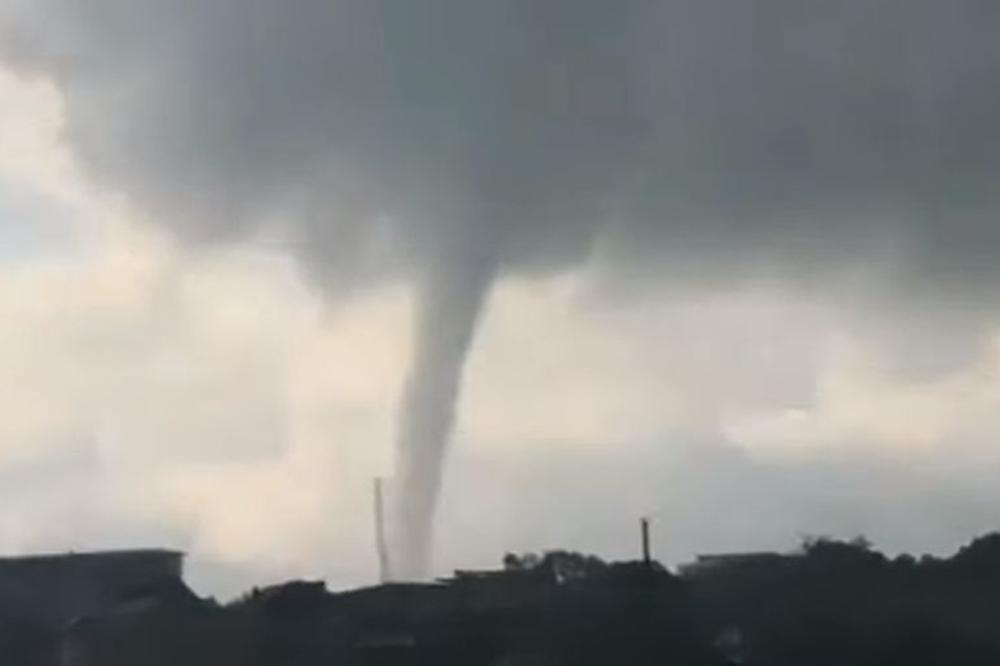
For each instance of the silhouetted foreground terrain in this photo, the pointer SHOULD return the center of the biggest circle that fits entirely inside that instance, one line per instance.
(830, 603)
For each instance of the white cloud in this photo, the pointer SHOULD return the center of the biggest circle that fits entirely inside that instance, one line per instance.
(863, 409)
(199, 388)
(211, 400)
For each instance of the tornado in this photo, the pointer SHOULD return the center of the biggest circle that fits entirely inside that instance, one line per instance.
(437, 145)
(450, 300)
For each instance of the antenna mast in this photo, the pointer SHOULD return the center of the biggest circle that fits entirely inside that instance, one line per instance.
(647, 558)
(384, 572)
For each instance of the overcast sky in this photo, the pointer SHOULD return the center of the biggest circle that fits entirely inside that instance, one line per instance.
(739, 264)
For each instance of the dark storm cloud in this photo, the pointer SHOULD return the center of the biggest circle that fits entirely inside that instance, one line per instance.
(737, 132)
(456, 140)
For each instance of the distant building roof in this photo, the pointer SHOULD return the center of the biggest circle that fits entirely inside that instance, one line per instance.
(57, 588)
(499, 575)
(739, 557)
(717, 561)
(106, 555)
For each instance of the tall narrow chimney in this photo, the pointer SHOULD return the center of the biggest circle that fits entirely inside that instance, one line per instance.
(646, 557)
(384, 571)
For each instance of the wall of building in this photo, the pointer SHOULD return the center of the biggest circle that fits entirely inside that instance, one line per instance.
(59, 588)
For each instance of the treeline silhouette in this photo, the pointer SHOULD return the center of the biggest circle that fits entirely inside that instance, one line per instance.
(835, 602)
(829, 602)
(842, 602)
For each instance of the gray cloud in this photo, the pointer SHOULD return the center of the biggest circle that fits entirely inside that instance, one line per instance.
(706, 496)
(736, 132)
(452, 141)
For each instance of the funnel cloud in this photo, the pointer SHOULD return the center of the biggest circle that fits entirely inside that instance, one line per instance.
(448, 310)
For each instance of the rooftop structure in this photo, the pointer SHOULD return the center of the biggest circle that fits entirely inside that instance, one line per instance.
(711, 563)
(54, 589)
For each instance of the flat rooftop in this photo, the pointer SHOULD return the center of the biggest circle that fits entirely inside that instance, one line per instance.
(92, 555)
